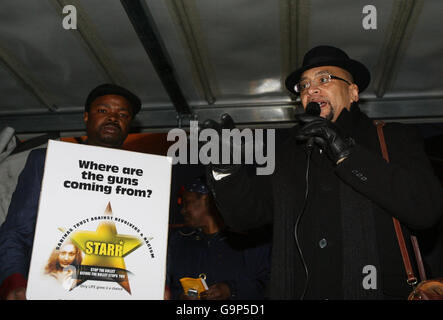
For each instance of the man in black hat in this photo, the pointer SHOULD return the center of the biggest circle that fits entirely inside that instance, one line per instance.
(109, 111)
(332, 196)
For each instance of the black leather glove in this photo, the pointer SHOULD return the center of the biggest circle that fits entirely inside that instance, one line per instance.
(226, 122)
(326, 135)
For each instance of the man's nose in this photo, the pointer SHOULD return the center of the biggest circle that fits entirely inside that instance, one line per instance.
(313, 89)
(113, 116)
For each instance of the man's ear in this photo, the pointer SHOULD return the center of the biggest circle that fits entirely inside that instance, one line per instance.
(353, 92)
(85, 117)
(205, 198)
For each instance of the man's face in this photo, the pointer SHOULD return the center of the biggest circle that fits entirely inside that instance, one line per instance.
(195, 209)
(333, 96)
(108, 121)
(66, 255)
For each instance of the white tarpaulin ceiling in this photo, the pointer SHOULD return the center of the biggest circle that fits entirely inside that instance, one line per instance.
(195, 59)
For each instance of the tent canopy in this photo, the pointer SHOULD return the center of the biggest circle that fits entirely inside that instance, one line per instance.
(197, 59)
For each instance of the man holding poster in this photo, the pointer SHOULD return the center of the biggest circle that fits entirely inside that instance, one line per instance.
(109, 111)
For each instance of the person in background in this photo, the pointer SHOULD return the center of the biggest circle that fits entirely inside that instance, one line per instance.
(233, 266)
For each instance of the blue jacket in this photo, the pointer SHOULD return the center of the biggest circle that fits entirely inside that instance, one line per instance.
(17, 232)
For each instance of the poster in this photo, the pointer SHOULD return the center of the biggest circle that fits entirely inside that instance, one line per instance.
(102, 225)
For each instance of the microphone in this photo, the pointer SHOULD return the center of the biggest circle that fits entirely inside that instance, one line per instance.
(313, 109)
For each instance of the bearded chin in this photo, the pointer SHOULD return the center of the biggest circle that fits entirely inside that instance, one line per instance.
(330, 116)
(112, 140)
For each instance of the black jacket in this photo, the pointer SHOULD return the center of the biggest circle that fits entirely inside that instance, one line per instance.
(347, 224)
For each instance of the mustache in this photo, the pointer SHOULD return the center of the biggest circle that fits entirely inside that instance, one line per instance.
(113, 124)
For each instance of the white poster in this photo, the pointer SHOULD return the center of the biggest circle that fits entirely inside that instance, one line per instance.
(102, 225)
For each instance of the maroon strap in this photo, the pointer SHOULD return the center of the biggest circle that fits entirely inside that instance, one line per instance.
(421, 268)
(412, 280)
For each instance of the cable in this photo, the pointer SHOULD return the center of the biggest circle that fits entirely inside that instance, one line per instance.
(297, 222)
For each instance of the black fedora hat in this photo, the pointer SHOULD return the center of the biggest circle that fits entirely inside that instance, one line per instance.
(330, 56)
(109, 88)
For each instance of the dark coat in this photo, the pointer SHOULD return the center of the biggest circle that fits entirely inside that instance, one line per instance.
(17, 232)
(347, 224)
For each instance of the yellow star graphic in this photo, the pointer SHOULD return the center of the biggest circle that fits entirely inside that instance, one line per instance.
(106, 249)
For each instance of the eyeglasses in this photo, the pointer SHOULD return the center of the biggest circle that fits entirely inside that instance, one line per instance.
(319, 80)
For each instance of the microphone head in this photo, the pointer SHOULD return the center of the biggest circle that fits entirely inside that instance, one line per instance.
(313, 109)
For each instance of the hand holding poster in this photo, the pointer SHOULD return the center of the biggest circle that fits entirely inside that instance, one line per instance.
(102, 225)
